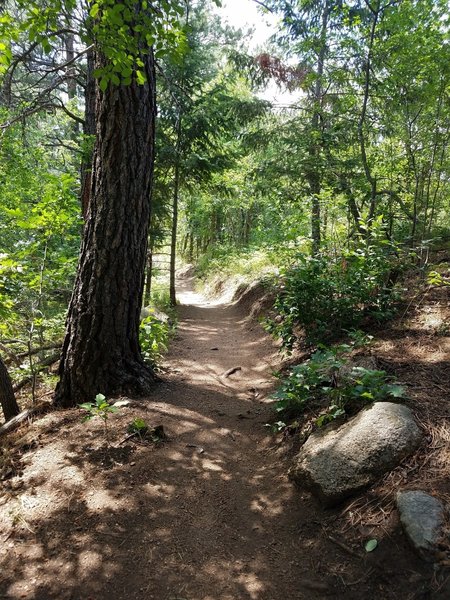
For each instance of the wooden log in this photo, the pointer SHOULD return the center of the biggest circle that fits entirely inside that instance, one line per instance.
(23, 416)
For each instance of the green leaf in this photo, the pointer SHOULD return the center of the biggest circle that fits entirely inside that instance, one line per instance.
(94, 10)
(140, 77)
(86, 406)
(371, 545)
(396, 391)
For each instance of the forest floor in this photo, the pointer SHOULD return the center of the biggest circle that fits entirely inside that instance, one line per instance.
(209, 514)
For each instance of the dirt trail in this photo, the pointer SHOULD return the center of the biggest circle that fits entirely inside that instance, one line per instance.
(208, 515)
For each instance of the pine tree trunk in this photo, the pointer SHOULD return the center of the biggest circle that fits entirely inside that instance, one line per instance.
(173, 242)
(101, 352)
(7, 398)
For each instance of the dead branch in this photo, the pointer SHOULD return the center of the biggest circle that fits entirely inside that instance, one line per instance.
(23, 416)
(34, 351)
(37, 369)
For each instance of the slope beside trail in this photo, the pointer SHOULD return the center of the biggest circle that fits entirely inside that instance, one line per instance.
(207, 515)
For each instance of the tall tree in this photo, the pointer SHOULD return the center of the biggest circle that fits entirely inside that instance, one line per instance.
(101, 351)
(101, 348)
(204, 105)
(308, 31)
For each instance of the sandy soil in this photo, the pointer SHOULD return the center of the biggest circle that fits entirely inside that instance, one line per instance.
(207, 515)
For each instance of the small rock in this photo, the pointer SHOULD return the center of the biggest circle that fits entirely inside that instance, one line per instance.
(215, 348)
(422, 517)
(122, 403)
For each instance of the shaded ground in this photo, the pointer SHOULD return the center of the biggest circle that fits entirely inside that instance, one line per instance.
(207, 515)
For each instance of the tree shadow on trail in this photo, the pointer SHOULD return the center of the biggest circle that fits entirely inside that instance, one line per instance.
(176, 521)
(197, 518)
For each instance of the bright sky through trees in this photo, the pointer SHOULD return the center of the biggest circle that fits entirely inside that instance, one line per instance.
(246, 15)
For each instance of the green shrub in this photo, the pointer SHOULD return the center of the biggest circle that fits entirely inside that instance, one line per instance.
(327, 295)
(153, 338)
(329, 385)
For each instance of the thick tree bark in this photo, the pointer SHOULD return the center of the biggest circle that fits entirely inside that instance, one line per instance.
(7, 398)
(101, 352)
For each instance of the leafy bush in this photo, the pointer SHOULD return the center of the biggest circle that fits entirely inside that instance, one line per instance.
(153, 338)
(437, 279)
(326, 380)
(161, 302)
(138, 427)
(327, 295)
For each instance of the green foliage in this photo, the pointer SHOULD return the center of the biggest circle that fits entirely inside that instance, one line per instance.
(160, 300)
(437, 279)
(138, 426)
(99, 408)
(153, 338)
(326, 379)
(126, 31)
(227, 261)
(371, 545)
(39, 233)
(123, 32)
(327, 295)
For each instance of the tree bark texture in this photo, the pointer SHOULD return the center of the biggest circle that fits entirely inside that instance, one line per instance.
(101, 352)
(7, 398)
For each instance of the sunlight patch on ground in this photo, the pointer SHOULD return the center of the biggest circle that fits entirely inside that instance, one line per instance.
(210, 465)
(270, 508)
(159, 490)
(101, 499)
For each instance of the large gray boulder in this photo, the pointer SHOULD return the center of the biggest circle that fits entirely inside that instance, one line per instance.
(422, 517)
(335, 464)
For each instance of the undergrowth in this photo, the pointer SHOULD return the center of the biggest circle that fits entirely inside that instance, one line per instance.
(154, 335)
(323, 296)
(225, 262)
(328, 384)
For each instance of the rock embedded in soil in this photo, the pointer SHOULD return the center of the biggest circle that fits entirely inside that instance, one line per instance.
(422, 517)
(338, 463)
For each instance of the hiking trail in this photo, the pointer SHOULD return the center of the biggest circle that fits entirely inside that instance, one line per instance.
(207, 515)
